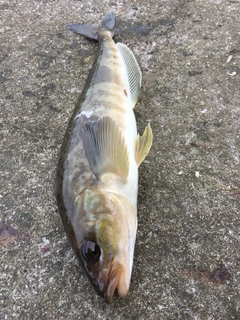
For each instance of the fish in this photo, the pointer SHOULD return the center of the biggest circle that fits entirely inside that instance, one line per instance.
(97, 175)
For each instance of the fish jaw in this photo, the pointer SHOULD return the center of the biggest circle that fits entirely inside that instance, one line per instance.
(115, 281)
(112, 280)
(106, 281)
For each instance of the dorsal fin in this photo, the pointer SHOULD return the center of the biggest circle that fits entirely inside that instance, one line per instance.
(143, 144)
(134, 75)
(105, 148)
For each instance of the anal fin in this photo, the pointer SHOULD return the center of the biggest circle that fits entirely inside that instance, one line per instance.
(143, 144)
(105, 148)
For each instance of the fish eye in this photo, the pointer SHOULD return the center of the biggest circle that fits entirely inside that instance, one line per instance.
(91, 251)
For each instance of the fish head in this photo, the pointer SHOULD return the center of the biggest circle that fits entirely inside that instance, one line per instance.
(107, 250)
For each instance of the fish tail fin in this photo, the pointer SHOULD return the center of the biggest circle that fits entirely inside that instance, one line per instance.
(108, 23)
(91, 31)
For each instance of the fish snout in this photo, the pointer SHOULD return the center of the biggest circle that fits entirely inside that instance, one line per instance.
(115, 280)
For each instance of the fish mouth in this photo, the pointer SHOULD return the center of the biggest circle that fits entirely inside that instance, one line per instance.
(115, 280)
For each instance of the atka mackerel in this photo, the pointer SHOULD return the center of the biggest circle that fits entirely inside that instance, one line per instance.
(97, 179)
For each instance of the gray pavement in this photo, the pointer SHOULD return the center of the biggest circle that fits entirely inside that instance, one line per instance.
(187, 260)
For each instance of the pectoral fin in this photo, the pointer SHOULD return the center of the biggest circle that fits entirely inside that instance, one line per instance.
(105, 148)
(143, 144)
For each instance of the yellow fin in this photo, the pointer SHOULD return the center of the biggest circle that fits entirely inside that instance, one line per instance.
(105, 148)
(143, 144)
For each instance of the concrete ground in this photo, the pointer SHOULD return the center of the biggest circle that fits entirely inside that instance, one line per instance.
(187, 260)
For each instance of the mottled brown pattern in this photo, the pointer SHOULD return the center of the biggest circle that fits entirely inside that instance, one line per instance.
(105, 74)
(79, 171)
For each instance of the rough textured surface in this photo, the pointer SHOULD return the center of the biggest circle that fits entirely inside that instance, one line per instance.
(187, 261)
